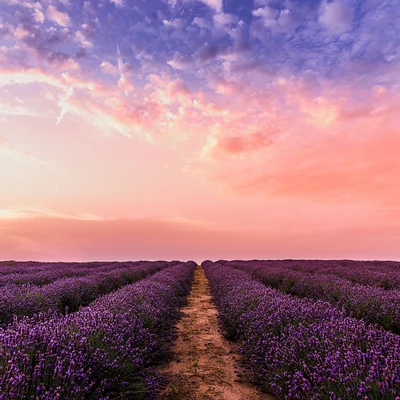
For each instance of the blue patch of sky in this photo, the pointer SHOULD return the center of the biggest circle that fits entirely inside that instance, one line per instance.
(371, 44)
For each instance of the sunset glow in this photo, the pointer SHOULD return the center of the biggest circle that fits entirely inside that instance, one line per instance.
(183, 129)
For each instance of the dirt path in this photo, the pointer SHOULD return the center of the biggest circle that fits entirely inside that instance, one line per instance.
(204, 365)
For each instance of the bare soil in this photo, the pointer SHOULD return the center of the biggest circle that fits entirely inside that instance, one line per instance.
(203, 366)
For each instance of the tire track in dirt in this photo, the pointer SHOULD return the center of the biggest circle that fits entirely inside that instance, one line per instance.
(203, 366)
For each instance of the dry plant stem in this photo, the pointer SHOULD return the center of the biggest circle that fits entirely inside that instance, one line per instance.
(203, 366)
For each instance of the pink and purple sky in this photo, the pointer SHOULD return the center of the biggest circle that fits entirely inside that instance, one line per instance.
(183, 129)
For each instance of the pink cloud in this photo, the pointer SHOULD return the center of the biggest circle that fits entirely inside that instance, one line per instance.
(58, 17)
(243, 143)
(3, 54)
(118, 3)
(202, 22)
(108, 68)
(216, 5)
(28, 4)
(20, 32)
(82, 40)
(97, 104)
(333, 169)
(14, 110)
(282, 20)
(26, 213)
(331, 148)
(64, 239)
(180, 61)
(177, 88)
(268, 15)
(38, 16)
(125, 84)
(7, 149)
(336, 16)
(225, 19)
(53, 239)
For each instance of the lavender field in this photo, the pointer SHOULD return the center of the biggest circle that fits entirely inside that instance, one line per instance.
(246, 132)
(304, 329)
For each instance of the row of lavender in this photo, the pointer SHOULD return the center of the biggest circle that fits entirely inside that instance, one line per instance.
(373, 304)
(68, 294)
(39, 274)
(303, 349)
(27, 267)
(105, 350)
(384, 274)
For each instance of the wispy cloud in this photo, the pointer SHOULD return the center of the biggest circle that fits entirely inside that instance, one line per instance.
(15, 110)
(8, 149)
(124, 83)
(37, 212)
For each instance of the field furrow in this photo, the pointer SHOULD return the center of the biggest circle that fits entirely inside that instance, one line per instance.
(203, 366)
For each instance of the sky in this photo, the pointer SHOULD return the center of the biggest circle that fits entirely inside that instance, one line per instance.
(183, 129)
